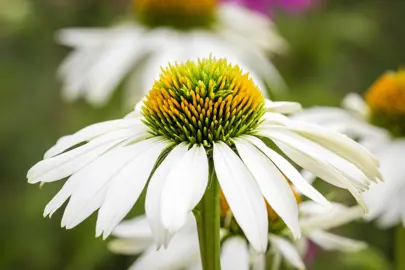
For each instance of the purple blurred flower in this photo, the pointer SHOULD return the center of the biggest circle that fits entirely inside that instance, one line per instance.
(311, 254)
(268, 6)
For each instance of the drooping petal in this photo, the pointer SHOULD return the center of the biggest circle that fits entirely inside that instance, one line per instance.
(74, 69)
(272, 183)
(95, 179)
(68, 163)
(318, 161)
(184, 188)
(323, 170)
(329, 241)
(93, 131)
(123, 52)
(126, 187)
(289, 171)
(154, 192)
(341, 145)
(288, 251)
(242, 194)
(235, 254)
(345, 167)
(315, 217)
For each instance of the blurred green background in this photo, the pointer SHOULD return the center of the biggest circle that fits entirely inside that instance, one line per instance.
(340, 46)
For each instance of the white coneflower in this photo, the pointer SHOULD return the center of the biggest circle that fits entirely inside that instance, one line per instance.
(165, 31)
(201, 121)
(371, 122)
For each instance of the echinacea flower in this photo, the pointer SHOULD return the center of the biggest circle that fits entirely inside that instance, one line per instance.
(196, 114)
(378, 124)
(134, 237)
(131, 53)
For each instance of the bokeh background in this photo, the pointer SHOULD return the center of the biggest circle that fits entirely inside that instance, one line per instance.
(339, 46)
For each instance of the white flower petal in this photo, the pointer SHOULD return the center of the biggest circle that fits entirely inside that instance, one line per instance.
(243, 195)
(95, 180)
(329, 241)
(122, 53)
(235, 254)
(68, 163)
(355, 103)
(288, 251)
(182, 252)
(137, 227)
(73, 71)
(61, 197)
(154, 192)
(82, 37)
(343, 146)
(289, 171)
(126, 187)
(350, 171)
(93, 131)
(282, 107)
(312, 146)
(184, 188)
(128, 246)
(318, 161)
(272, 183)
(315, 217)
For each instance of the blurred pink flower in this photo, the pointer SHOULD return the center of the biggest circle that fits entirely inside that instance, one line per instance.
(268, 6)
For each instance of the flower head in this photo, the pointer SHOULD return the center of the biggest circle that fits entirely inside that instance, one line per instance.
(220, 118)
(204, 102)
(386, 100)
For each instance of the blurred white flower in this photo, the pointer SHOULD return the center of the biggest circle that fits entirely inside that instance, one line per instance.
(131, 54)
(386, 201)
(135, 237)
(179, 128)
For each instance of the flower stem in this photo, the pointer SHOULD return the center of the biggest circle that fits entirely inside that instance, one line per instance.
(208, 224)
(400, 247)
(269, 261)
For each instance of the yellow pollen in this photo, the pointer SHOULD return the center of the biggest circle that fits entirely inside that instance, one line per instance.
(387, 94)
(208, 100)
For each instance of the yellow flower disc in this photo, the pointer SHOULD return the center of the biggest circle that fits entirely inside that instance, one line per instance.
(203, 102)
(386, 99)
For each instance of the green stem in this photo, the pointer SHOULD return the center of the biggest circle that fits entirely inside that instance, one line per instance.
(270, 261)
(400, 247)
(208, 224)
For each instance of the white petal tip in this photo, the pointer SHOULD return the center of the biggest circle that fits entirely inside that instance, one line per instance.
(297, 235)
(32, 181)
(106, 234)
